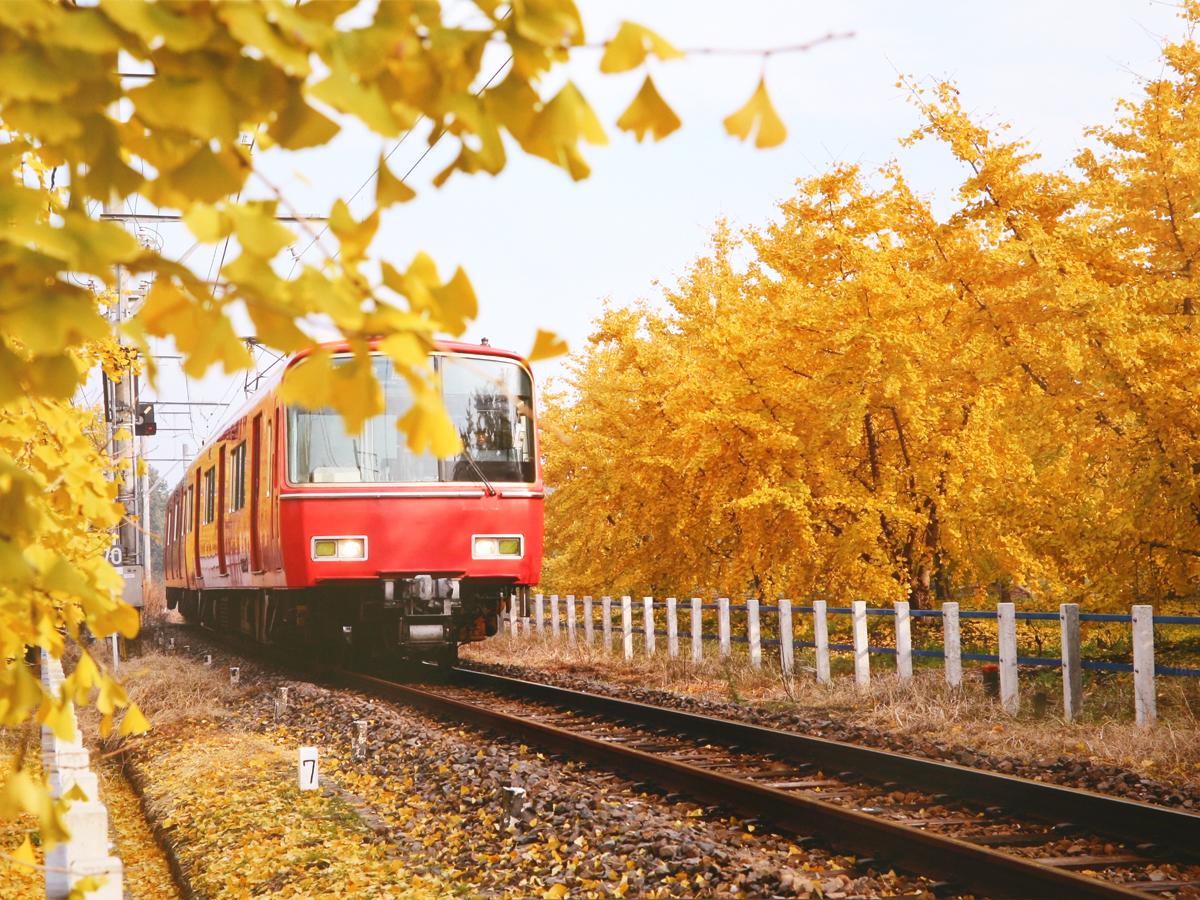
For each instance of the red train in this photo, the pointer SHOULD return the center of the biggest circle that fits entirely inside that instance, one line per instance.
(290, 531)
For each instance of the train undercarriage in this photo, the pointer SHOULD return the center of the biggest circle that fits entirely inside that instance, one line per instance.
(356, 623)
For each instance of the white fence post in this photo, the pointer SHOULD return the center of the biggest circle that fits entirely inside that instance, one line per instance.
(862, 656)
(67, 765)
(821, 639)
(513, 619)
(539, 614)
(588, 624)
(697, 630)
(1145, 702)
(627, 626)
(753, 632)
(606, 622)
(648, 623)
(952, 644)
(787, 649)
(1072, 668)
(1006, 621)
(723, 626)
(672, 629)
(571, 618)
(903, 639)
(525, 626)
(554, 616)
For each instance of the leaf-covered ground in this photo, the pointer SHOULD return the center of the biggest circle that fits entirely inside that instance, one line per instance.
(426, 811)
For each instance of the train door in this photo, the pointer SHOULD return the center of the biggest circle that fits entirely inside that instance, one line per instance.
(255, 491)
(194, 519)
(220, 510)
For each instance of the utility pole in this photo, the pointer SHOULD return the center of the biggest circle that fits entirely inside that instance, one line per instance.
(129, 560)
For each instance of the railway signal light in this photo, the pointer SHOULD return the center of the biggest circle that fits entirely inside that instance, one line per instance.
(143, 419)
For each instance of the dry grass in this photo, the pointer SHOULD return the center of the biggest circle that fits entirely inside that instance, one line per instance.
(923, 708)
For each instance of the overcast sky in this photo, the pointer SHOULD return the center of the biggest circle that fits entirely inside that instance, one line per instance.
(544, 252)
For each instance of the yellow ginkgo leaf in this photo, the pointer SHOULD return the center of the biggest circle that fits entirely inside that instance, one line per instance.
(389, 189)
(24, 853)
(629, 48)
(649, 112)
(546, 345)
(133, 722)
(758, 111)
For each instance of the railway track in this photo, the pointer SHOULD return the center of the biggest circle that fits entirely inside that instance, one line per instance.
(971, 831)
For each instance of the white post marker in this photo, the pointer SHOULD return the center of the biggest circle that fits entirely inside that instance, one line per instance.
(862, 656)
(627, 625)
(952, 644)
(1145, 702)
(753, 632)
(821, 639)
(525, 629)
(672, 630)
(723, 626)
(554, 616)
(358, 740)
(571, 618)
(697, 630)
(1006, 620)
(235, 674)
(116, 654)
(309, 780)
(606, 622)
(1072, 668)
(648, 623)
(903, 639)
(512, 616)
(539, 613)
(589, 630)
(787, 649)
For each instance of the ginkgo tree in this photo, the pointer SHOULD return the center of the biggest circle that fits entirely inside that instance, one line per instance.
(78, 135)
(866, 399)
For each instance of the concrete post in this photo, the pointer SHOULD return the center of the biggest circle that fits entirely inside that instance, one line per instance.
(1072, 662)
(672, 630)
(554, 616)
(606, 622)
(539, 614)
(1006, 620)
(821, 639)
(627, 626)
(1145, 700)
(571, 619)
(723, 627)
(697, 630)
(862, 656)
(589, 626)
(952, 644)
(787, 648)
(903, 640)
(753, 632)
(648, 623)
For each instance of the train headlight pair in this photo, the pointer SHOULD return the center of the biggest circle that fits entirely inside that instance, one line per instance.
(324, 548)
(497, 546)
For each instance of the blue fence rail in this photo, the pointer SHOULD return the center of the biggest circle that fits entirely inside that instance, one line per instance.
(612, 619)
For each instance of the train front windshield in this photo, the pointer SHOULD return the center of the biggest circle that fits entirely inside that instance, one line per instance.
(488, 399)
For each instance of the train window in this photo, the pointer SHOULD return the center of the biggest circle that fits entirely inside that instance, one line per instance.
(237, 493)
(210, 494)
(489, 401)
(187, 521)
(268, 472)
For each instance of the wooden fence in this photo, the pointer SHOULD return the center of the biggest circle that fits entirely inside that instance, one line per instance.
(1141, 620)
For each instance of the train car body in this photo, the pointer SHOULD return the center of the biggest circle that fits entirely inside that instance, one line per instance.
(291, 531)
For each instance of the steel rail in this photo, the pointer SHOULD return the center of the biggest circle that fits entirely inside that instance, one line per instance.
(1128, 820)
(981, 869)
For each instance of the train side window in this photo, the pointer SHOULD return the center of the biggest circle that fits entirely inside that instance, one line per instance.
(210, 494)
(237, 493)
(270, 458)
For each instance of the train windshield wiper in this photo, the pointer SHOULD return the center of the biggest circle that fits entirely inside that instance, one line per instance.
(487, 485)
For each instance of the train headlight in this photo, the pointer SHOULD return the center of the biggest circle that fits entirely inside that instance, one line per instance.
(499, 546)
(351, 548)
(335, 548)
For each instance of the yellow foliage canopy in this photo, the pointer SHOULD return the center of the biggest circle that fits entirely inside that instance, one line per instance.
(866, 400)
